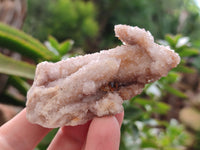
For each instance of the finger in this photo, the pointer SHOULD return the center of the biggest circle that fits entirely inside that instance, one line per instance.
(103, 133)
(19, 134)
(120, 118)
(70, 137)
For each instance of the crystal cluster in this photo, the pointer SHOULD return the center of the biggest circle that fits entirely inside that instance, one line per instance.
(75, 90)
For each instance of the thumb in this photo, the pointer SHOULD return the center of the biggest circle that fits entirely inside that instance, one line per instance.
(103, 133)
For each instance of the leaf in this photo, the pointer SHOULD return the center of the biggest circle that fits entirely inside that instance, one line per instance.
(54, 43)
(19, 84)
(132, 113)
(47, 139)
(149, 143)
(170, 40)
(65, 47)
(174, 91)
(177, 38)
(20, 34)
(184, 69)
(143, 101)
(189, 52)
(18, 41)
(158, 107)
(172, 77)
(162, 108)
(17, 68)
(51, 48)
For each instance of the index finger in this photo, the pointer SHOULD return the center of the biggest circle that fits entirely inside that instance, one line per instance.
(19, 134)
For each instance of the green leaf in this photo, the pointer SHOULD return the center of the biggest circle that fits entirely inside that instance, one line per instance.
(47, 139)
(149, 143)
(16, 44)
(51, 48)
(176, 38)
(18, 41)
(54, 43)
(19, 84)
(170, 40)
(158, 107)
(132, 113)
(172, 77)
(20, 34)
(189, 52)
(65, 47)
(184, 69)
(162, 108)
(143, 101)
(17, 68)
(174, 91)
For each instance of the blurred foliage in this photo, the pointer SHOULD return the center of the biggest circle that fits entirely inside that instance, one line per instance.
(152, 134)
(182, 46)
(146, 124)
(160, 17)
(90, 23)
(197, 143)
(143, 126)
(20, 71)
(63, 19)
(24, 44)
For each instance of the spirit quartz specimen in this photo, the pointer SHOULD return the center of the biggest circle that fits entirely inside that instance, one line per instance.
(75, 90)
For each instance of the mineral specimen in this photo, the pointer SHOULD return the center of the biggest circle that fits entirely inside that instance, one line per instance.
(75, 90)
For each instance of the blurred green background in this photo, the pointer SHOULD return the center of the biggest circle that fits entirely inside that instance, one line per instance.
(165, 116)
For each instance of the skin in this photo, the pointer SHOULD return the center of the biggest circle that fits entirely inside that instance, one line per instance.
(100, 133)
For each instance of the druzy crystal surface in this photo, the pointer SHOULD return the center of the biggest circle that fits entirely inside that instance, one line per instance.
(75, 90)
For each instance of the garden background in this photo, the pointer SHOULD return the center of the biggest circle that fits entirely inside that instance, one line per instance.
(166, 116)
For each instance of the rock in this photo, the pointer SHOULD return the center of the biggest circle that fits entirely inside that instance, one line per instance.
(75, 90)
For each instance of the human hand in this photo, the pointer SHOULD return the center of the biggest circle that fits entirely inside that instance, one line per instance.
(98, 134)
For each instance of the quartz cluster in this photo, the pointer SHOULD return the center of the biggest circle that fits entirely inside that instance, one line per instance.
(75, 90)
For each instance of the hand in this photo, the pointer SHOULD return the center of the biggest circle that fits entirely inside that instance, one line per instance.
(98, 134)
